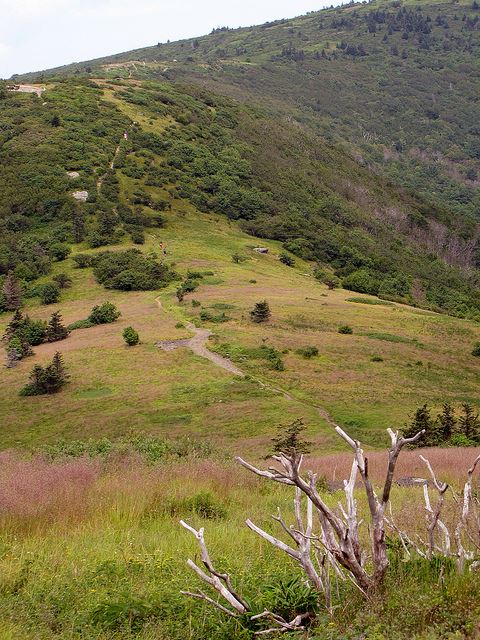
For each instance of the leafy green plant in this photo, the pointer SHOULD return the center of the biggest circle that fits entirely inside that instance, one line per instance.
(345, 329)
(286, 259)
(307, 352)
(130, 336)
(81, 324)
(206, 316)
(49, 293)
(104, 314)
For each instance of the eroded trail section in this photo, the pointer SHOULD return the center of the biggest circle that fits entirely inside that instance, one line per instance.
(198, 345)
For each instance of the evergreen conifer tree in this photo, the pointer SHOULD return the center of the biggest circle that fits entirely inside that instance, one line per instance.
(55, 329)
(261, 312)
(469, 423)
(446, 423)
(14, 326)
(12, 291)
(421, 420)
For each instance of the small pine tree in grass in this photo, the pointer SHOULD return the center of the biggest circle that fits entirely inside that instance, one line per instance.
(261, 312)
(15, 324)
(12, 291)
(289, 439)
(47, 380)
(58, 365)
(476, 350)
(131, 336)
(55, 329)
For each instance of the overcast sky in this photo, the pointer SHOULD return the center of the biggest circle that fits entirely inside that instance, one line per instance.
(39, 34)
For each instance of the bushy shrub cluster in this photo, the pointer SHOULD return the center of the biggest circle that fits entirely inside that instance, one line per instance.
(104, 313)
(131, 270)
(23, 332)
(307, 352)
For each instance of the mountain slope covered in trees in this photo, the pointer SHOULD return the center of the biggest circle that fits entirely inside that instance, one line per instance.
(350, 134)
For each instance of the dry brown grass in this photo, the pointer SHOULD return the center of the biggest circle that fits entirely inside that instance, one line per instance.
(450, 464)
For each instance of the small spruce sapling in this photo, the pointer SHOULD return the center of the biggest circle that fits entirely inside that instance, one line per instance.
(289, 439)
(261, 312)
(55, 329)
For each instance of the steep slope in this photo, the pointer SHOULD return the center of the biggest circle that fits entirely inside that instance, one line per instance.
(279, 178)
(397, 83)
(374, 103)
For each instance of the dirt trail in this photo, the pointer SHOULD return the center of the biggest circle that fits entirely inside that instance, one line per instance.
(198, 345)
(112, 163)
(28, 88)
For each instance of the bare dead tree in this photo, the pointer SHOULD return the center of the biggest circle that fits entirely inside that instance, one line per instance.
(439, 540)
(222, 584)
(326, 542)
(333, 547)
(341, 532)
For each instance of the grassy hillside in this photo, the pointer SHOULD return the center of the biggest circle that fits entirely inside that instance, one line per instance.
(192, 163)
(356, 143)
(344, 142)
(426, 356)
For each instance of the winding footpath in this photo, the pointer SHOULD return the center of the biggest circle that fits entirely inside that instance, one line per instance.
(197, 344)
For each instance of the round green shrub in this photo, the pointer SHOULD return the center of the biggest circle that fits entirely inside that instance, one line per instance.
(345, 329)
(130, 336)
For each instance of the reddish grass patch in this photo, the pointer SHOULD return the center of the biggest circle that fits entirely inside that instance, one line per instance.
(450, 465)
(36, 490)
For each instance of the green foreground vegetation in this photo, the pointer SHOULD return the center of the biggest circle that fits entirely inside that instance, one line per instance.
(92, 548)
(134, 199)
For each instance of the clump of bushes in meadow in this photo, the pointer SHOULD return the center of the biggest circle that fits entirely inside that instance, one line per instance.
(307, 352)
(129, 270)
(47, 380)
(22, 333)
(240, 354)
(104, 313)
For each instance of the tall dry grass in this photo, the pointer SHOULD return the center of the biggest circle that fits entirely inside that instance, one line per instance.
(450, 465)
(36, 492)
